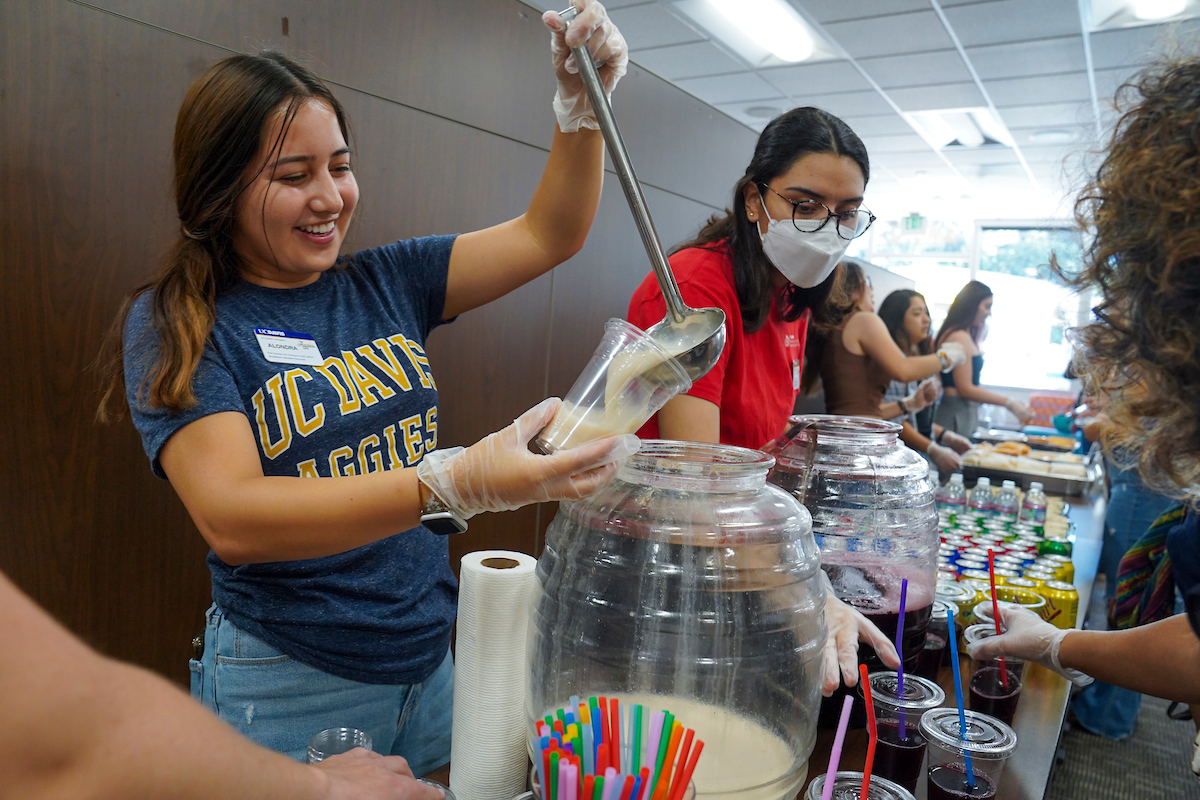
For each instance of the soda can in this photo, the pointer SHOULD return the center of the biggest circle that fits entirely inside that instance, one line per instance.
(1038, 576)
(965, 564)
(947, 571)
(981, 575)
(1010, 562)
(1002, 575)
(1022, 583)
(979, 553)
(1055, 547)
(954, 592)
(1065, 569)
(1062, 604)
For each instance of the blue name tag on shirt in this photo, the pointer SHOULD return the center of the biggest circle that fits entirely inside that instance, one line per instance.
(288, 347)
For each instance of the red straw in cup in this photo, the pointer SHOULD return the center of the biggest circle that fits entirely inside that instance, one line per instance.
(996, 612)
(872, 731)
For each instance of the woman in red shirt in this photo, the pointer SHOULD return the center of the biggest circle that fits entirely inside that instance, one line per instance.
(768, 264)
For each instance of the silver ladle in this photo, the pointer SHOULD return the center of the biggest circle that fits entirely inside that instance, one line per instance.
(696, 336)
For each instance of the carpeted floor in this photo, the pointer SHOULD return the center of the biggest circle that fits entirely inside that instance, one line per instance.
(1151, 764)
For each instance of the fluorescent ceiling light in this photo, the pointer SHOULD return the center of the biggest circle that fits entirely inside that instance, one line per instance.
(771, 23)
(954, 128)
(1157, 9)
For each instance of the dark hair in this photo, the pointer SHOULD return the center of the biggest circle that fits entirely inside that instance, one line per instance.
(1140, 352)
(893, 310)
(961, 316)
(218, 134)
(786, 139)
(843, 300)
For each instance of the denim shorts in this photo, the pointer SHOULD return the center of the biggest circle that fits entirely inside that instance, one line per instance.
(279, 702)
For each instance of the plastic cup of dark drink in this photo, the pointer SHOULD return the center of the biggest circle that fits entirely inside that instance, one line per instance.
(848, 786)
(898, 756)
(988, 741)
(990, 694)
(930, 661)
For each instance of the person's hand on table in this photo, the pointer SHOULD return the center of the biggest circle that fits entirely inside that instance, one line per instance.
(364, 775)
(847, 627)
(946, 459)
(955, 441)
(1030, 638)
(572, 107)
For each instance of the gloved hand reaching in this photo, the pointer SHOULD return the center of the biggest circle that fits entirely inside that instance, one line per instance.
(955, 441)
(1030, 638)
(607, 46)
(847, 626)
(499, 473)
(1020, 411)
(922, 397)
(952, 354)
(946, 459)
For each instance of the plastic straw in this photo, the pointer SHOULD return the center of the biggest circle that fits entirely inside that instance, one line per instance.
(900, 652)
(627, 789)
(996, 612)
(572, 782)
(872, 730)
(614, 733)
(835, 754)
(656, 726)
(637, 738)
(962, 713)
(686, 777)
(683, 756)
(664, 778)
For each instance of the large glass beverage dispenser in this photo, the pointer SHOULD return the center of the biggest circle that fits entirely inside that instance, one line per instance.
(690, 584)
(874, 519)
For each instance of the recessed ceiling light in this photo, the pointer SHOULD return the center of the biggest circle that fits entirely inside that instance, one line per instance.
(772, 23)
(763, 112)
(1157, 9)
(959, 128)
(1051, 137)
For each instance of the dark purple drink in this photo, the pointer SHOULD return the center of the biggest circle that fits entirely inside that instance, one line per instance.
(929, 663)
(991, 696)
(949, 782)
(899, 759)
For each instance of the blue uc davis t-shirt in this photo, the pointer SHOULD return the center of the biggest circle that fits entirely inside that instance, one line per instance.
(381, 613)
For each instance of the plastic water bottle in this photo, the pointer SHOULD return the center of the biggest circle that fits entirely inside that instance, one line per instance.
(1033, 509)
(953, 496)
(981, 497)
(1006, 503)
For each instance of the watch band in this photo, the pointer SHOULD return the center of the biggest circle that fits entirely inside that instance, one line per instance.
(903, 408)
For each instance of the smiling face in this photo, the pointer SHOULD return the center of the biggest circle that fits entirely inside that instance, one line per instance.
(297, 206)
(916, 320)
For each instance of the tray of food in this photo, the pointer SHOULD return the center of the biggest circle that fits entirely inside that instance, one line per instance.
(1058, 472)
(1065, 444)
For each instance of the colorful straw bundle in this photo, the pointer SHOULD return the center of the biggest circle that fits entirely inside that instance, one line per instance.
(601, 750)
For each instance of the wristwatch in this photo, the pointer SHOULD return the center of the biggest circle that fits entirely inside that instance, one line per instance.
(439, 517)
(903, 408)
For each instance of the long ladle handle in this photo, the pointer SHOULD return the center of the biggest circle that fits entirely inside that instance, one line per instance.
(629, 181)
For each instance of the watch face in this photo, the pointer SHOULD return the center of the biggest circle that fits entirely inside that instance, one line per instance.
(444, 523)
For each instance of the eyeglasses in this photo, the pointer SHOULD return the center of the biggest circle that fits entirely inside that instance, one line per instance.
(809, 216)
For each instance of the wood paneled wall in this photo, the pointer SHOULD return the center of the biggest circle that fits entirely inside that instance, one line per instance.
(450, 107)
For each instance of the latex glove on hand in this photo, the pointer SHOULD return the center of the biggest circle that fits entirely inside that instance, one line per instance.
(499, 473)
(956, 442)
(363, 775)
(953, 354)
(1030, 638)
(946, 459)
(609, 51)
(922, 397)
(1020, 411)
(847, 626)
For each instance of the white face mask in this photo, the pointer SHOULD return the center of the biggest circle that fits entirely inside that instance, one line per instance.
(805, 259)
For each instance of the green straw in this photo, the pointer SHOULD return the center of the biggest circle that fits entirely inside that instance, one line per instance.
(663, 746)
(637, 739)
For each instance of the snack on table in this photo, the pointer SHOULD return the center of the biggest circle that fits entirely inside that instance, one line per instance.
(1060, 442)
(1013, 448)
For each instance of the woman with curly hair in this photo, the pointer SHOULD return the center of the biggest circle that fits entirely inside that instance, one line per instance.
(1142, 352)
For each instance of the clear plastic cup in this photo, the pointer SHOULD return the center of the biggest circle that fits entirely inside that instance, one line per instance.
(990, 692)
(629, 378)
(982, 613)
(446, 789)
(899, 754)
(988, 741)
(333, 741)
(848, 786)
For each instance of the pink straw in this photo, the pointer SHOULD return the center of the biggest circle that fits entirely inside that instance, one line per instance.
(900, 652)
(835, 755)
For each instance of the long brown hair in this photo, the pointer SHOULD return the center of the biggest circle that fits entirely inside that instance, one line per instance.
(786, 139)
(962, 313)
(1141, 351)
(849, 282)
(218, 135)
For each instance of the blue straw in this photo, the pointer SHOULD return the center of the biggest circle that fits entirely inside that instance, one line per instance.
(900, 652)
(962, 714)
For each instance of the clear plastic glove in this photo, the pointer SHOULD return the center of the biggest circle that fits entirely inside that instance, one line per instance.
(847, 626)
(955, 441)
(363, 775)
(1020, 411)
(499, 473)
(952, 353)
(922, 397)
(946, 459)
(1030, 638)
(607, 46)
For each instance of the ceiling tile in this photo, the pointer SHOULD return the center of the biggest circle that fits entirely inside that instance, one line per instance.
(847, 104)
(1125, 47)
(1041, 88)
(1109, 80)
(1050, 115)
(916, 69)
(889, 35)
(651, 25)
(926, 98)
(739, 87)
(1019, 59)
(910, 160)
(1013, 21)
(885, 125)
(906, 143)
(823, 11)
(981, 155)
(687, 61)
(824, 77)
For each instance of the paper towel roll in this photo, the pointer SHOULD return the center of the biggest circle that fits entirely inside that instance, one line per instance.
(488, 757)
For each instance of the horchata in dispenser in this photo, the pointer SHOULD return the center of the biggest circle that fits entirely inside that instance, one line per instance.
(689, 584)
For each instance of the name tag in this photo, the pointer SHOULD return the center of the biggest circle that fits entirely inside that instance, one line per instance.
(796, 375)
(288, 347)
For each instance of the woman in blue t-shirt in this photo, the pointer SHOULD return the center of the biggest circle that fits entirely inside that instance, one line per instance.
(285, 392)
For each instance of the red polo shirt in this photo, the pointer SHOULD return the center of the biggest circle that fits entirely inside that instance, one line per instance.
(757, 379)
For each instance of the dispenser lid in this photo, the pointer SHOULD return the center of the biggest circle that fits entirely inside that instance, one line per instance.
(985, 736)
(919, 693)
